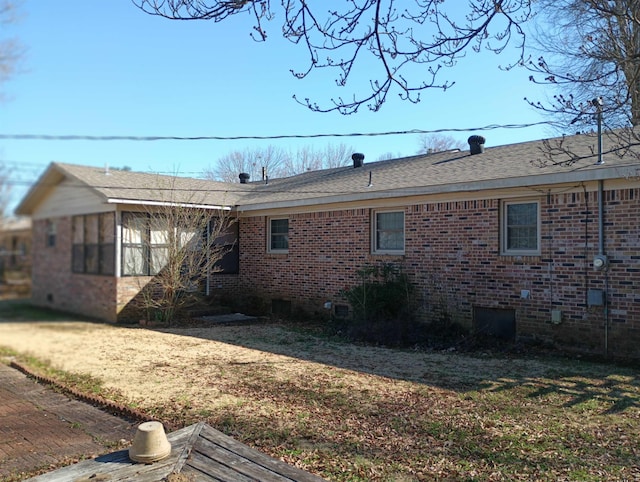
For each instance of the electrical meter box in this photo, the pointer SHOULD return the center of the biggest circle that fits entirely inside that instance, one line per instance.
(595, 297)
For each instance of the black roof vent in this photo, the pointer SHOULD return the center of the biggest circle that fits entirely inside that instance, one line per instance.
(476, 144)
(244, 177)
(358, 159)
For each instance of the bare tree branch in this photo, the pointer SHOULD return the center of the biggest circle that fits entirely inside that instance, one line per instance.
(410, 42)
(172, 249)
(591, 49)
(10, 49)
(250, 161)
(439, 143)
(622, 143)
(277, 162)
(5, 190)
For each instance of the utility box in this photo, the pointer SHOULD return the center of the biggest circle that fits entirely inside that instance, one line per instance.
(595, 297)
(600, 262)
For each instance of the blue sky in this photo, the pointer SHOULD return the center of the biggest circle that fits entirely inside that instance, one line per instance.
(106, 68)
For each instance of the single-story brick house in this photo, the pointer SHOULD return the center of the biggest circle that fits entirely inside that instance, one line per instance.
(93, 246)
(498, 238)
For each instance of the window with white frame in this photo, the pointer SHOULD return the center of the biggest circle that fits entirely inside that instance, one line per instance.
(148, 241)
(134, 244)
(520, 230)
(278, 235)
(145, 243)
(388, 232)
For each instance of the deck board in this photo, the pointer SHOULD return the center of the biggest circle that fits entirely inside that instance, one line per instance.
(200, 466)
(213, 455)
(225, 449)
(199, 450)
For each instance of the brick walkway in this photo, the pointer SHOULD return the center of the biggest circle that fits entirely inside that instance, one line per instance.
(39, 427)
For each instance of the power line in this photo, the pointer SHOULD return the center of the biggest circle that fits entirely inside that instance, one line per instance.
(236, 189)
(21, 164)
(77, 137)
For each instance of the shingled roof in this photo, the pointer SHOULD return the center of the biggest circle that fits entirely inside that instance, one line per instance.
(118, 184)
(564, 159)
(132, 187)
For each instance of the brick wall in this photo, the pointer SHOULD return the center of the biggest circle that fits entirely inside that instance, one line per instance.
(453, 256)
(101, 297)
(325, 251)
(53, 284)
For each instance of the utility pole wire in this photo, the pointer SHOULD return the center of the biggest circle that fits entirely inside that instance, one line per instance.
(79, 137)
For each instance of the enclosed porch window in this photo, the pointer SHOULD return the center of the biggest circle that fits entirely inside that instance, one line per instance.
(147, 242)
(93, 248)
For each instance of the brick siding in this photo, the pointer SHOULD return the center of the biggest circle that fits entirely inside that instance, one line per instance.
(55, 286)
(101, 297)
(453, 256)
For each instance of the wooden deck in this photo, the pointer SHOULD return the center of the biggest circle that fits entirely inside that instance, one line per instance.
(199, 452)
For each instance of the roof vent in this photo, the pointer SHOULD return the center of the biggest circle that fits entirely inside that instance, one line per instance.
(358, 159)
(476, 144)
(244, 177)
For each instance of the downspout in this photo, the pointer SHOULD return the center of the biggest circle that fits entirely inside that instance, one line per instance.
(207, 288)
(600, 185)
(600, 218)
(601, 253)
(598, 104)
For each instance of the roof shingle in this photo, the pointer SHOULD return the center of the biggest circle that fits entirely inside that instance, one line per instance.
(571, 158)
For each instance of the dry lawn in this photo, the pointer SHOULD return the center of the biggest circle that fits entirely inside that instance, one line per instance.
(354, 413)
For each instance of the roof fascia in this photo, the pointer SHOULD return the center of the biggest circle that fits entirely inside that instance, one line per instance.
(167, 204)
(51, 177)
(54, 175)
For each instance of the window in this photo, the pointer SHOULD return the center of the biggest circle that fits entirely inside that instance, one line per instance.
(77, 249)
(106, 244)
(91, 244)
(134, 236)
(93, 249)
(388, 232)
(520, 228)
(159, 244)
(51, 233)
(229, 263)
(147, 242)
(279, 235)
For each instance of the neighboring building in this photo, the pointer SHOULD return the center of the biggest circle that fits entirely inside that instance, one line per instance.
(499, 240)
(15, 246)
